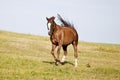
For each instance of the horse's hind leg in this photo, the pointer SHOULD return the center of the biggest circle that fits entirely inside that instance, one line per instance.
(65, 53)
(75, 54)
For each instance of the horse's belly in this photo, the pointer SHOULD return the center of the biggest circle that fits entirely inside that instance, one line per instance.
(68, 36)
(67, 41)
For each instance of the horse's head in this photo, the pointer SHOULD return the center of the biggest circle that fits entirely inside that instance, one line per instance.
(50, 25)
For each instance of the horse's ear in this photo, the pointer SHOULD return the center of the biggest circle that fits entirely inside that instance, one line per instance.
(46, 18)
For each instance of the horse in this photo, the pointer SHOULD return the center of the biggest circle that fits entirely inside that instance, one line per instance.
(61, 36)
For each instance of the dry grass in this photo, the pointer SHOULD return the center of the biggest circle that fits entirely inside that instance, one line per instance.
(27, 57)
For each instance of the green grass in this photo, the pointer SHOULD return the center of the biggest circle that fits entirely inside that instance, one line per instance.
(27, 57)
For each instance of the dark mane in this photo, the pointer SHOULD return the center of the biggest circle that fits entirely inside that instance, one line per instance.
(65, 23)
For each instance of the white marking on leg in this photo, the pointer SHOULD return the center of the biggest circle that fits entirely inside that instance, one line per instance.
(57, 63)
(63, 58)
(76, 62)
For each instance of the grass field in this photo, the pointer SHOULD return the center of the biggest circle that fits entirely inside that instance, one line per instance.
(27, 57)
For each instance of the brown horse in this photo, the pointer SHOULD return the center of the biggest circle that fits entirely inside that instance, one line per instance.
(62, 36)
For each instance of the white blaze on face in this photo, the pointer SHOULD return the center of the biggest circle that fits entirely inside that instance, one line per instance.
(49, 24)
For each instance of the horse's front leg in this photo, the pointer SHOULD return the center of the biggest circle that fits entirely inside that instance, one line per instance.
(52, 51)
(58, 54)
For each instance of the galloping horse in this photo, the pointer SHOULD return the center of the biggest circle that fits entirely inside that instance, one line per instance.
(62, 36)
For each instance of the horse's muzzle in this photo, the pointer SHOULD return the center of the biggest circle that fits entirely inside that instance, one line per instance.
(49, 33)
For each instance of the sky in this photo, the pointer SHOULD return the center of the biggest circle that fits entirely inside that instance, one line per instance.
(95, 20)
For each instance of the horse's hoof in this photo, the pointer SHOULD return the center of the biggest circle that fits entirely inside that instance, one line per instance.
(56, 63)
(62, 63)
(57, 60)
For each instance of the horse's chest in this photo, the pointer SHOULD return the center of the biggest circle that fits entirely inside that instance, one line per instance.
(54, 40)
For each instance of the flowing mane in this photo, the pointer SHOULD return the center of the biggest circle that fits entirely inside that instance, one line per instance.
(65, 23)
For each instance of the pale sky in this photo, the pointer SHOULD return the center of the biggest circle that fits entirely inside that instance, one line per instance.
(95, 20)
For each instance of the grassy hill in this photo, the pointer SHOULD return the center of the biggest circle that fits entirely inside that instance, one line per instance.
(27, 57)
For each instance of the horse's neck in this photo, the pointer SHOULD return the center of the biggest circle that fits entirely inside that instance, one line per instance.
(58, 27)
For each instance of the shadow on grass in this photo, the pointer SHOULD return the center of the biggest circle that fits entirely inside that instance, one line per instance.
(66, 62)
